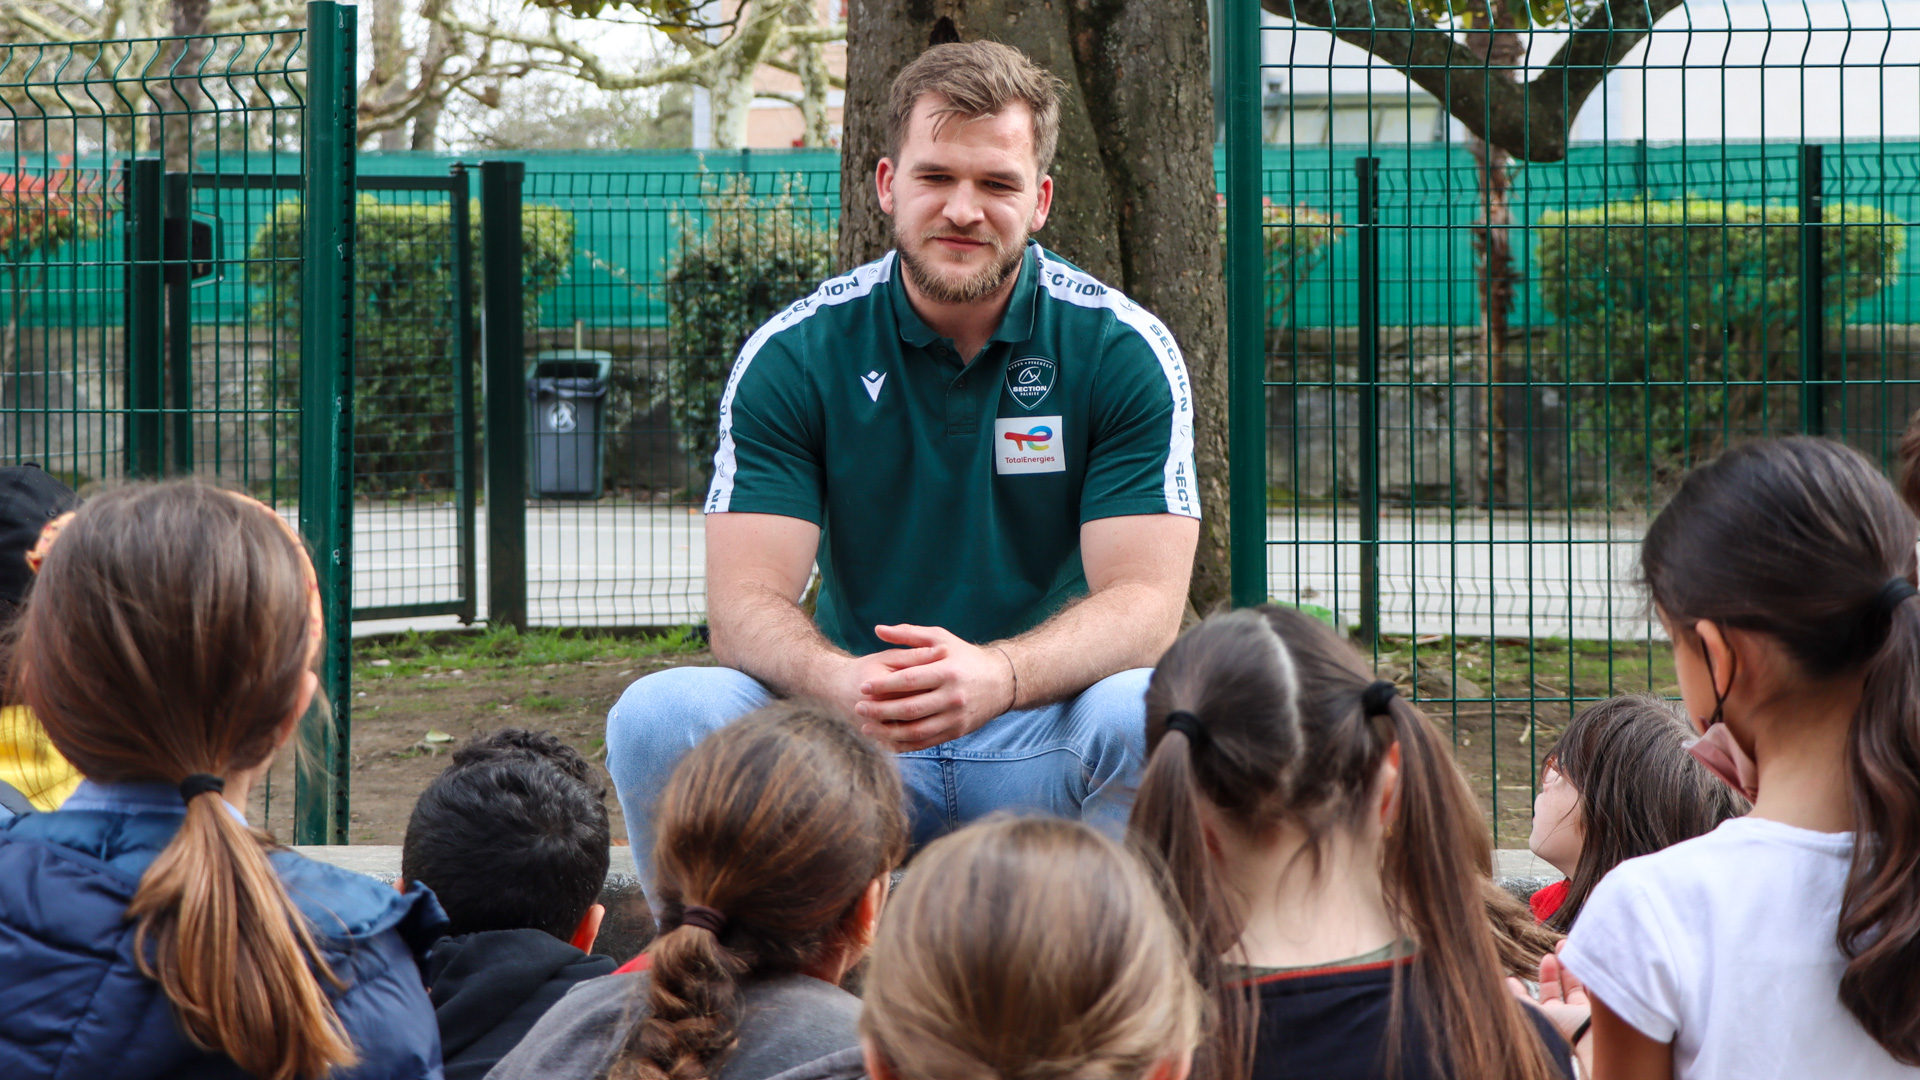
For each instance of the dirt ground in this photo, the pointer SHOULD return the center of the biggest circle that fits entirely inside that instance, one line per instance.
(393, 761)
(409, 712)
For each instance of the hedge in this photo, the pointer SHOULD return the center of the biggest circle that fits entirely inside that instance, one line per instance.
(404, 324)
(1682, 318)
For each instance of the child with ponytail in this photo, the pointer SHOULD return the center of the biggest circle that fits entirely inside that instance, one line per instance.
(774, 840)
(1332, 865)
(1785, 943)
(145, 929)
(1026, 949)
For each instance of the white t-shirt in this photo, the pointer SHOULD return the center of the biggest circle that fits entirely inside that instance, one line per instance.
(1724, 946)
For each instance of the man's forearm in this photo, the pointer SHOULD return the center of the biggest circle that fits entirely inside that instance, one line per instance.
(1123, 626)
(767, 636)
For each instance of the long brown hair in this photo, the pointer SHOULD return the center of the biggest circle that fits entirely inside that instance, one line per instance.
(1798, 539)
(1639, 789)
(1288, 739)
(168, 635)
(1029, 949)
(1519, 939)
(779, 822)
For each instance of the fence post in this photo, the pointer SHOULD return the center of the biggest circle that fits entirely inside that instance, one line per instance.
(466, 502)
(1367, 172)
(326, 405)
(179, 277)
(502, 351)
(1813, 298)
(1246, 319)
(146, 314)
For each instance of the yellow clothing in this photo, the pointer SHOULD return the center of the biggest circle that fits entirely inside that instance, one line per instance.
(29, 762)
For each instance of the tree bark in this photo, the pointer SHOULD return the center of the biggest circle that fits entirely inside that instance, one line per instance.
(1134, 190)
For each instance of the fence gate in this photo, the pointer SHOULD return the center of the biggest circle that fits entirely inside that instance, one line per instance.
(154, 196)
(414, 420)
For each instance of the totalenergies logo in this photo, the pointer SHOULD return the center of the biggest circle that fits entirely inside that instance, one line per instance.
(1034, 438)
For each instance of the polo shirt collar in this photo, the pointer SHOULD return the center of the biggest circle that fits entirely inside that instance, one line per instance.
(1015, 325)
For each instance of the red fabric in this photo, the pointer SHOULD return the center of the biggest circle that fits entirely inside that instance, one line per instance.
(638, 963)
(1545, 902)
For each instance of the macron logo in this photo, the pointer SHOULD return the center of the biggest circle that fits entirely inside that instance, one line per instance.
(873, 380)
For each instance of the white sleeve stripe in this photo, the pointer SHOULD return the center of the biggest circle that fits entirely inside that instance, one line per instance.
(832, 292)
(1071, 286)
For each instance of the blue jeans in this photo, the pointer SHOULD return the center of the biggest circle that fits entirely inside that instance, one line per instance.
(1080, 758)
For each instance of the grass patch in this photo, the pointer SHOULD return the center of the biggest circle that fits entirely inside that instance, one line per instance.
(1533, 669)
(550, 703)
(503, 647)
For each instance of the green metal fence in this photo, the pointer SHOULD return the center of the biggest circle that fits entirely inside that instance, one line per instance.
(1466, 373)
(136, 334)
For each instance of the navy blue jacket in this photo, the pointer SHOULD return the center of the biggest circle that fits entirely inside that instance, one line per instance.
(73, 1004)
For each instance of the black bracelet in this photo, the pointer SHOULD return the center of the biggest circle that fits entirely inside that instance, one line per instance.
(1580, 1032)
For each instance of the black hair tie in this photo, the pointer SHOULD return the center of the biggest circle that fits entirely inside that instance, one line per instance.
(1187, 724)
(1896, 591)
(198, 784)
(1378, 697)
(705, 918)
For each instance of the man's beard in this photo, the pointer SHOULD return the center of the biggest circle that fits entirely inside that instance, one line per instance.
(981, 284)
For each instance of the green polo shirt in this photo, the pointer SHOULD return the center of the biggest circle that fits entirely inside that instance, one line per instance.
(952, 494)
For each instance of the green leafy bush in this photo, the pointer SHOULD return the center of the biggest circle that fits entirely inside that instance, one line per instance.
(1682, 318)
(405, 324)
(742, 257)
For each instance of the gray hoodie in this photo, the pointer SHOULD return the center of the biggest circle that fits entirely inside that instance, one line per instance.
(788, 1023)
(840, 1065)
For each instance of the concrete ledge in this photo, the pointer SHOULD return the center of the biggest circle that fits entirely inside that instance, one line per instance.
(629, 925)
(382, 861)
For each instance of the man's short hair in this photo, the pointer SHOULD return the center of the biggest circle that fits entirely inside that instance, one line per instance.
(512, 835)
(978, 79)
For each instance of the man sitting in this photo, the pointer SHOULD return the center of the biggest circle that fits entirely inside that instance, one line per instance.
(512, 837)
(989, 455)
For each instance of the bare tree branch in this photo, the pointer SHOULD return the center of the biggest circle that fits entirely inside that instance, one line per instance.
(586, 66)
(1529, 120)
(791, 68)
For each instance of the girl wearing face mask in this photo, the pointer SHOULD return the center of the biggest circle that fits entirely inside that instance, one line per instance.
(1784, 943)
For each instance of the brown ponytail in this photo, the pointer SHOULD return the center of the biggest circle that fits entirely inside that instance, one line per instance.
(1799, 539)
(767, 835)
(1288, 739)
(168, 635)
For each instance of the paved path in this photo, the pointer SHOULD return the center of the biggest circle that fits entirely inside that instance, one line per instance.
(620, 564)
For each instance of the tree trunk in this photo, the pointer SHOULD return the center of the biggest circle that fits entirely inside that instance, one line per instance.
(811, 61)
(1133, 179)
(387, 82)
(182, 97)
(1494, 279)
(442, 47)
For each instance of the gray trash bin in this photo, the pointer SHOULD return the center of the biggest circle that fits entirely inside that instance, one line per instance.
(565, 390)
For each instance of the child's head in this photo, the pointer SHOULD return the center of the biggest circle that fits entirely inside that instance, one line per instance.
(773, 842)
(30, 498)
(1263, 727)
(172, 634)
(512, 835)
(1029, 949)
(1783, 572)
(1618, 785)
